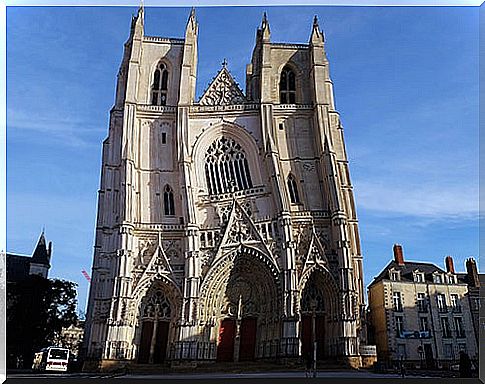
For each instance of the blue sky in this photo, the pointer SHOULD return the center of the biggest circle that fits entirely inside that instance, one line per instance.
(406, 86)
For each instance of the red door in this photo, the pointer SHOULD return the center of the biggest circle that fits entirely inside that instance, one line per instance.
(225, 343)
(161, 342)
(247, 344)
(146, 338)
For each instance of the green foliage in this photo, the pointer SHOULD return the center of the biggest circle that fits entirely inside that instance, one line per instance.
(42, 308)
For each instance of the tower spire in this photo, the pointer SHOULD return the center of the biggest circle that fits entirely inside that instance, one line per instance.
(192, 22)
(138, 21)
(317, 35)
(265, 27)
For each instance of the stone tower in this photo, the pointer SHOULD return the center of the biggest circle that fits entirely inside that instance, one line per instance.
(226, 226)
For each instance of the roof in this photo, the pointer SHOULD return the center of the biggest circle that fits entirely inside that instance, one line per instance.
(41, 255)
(407, 271)
(18, 267)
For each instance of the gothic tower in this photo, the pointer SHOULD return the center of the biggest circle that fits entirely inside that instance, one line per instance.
(226, 225)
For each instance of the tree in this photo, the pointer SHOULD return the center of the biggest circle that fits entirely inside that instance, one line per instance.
(42, 307)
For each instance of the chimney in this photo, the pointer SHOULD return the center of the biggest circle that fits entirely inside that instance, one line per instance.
(450, 268)
(398, 255)
(472, 272)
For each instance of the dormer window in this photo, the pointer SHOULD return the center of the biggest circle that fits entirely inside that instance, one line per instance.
(450, 279)
(418, 277)
(395, 275)
(437, 278)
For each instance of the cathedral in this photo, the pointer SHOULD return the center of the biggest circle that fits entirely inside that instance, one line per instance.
(226, 227)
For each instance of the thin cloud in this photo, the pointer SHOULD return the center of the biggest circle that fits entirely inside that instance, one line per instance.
(69, 131)
(434, 202)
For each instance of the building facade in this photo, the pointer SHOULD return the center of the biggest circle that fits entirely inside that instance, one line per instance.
(72, 337)
(24, 278)
(226, 225)
(20, 267)
(421, 314)
(474, 281)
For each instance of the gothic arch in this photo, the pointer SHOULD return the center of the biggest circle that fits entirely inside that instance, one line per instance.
(232, 131)
(242, 288)
(329, 286)
(217, 278)
(226, 167)
(168, 201)
(173, 291)
(299, 77)
(319, 311)
(293, 190)
(170, 80)
(158, 313)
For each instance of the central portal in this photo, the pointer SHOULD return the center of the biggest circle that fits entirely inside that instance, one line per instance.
(247, 323)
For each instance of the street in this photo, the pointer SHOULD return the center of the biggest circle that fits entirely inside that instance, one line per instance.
(351, 374)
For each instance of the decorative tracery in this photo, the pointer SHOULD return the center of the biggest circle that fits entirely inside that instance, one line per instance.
(226, 167)
(157, 306)
(160, 85)
(313, 296)
(223, 90)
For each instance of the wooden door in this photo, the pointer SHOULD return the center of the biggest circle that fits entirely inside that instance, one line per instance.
(247, 341)
(145, 342)
(320, 336)
(306, 335)
(428, 355)
(161, 342)
(225, 343)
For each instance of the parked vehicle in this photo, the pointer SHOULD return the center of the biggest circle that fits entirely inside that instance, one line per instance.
(51, 359)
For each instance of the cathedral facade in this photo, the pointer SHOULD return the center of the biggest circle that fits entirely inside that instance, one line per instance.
(226, 226)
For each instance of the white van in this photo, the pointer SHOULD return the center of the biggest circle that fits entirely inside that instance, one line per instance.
(51, 359)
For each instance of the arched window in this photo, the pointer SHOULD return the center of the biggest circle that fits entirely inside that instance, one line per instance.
(287, 86)
(226, 167)
(160, 85)
(293, 189)
(168, 205)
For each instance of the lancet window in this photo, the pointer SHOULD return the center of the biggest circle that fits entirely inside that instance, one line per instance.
(226, 167)
(160, 85)
(293, 189)
(168, 205)
(287, 86)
